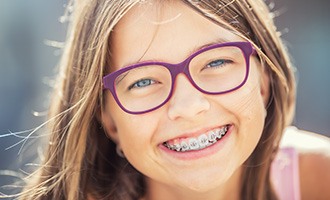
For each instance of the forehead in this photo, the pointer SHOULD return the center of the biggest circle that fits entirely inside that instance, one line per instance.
(166, 32)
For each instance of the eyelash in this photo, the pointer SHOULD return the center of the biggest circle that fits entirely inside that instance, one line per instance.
(224, 62)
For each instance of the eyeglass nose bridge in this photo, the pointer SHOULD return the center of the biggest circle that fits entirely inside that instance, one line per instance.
(182, 67)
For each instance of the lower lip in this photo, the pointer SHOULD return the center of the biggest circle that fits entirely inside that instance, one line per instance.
(197, 154)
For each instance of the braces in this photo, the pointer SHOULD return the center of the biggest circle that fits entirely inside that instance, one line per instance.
(196, 144)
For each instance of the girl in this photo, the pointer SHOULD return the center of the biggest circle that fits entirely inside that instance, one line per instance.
(176, 100)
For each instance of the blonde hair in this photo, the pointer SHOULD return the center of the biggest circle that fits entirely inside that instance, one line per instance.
(81, 161)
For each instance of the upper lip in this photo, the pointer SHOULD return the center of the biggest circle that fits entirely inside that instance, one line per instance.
(194, 133)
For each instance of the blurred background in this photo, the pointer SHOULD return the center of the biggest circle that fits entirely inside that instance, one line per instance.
(28, 63)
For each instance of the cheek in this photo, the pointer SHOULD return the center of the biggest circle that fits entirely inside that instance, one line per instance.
(136, 136)
(134, 132)
(251, 113)
(247, 107)
(250, 104)
(249, 100)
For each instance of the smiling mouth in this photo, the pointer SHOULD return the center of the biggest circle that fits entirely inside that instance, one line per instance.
(197, 143)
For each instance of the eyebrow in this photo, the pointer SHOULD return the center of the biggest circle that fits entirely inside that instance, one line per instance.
(217, 41)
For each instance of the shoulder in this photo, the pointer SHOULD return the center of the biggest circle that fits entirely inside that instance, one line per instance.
(314, 161)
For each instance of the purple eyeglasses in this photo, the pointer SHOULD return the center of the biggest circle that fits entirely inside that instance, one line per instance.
(215, 69)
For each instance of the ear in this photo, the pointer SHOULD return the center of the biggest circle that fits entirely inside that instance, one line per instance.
(109, 125)
(265, 84)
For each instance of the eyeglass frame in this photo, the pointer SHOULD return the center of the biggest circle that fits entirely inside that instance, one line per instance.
(176, 69)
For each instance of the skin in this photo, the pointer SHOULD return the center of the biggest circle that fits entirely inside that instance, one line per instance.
(170, 33)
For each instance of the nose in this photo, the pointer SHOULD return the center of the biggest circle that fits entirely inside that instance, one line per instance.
(186, 102)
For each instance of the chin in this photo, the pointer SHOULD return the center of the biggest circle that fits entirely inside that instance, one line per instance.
(201, 186)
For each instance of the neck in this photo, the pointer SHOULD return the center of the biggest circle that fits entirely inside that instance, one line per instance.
(228, 190)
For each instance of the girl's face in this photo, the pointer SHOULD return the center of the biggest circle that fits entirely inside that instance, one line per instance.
(170, 33)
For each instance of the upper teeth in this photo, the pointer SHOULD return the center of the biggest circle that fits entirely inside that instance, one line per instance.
(200, 142)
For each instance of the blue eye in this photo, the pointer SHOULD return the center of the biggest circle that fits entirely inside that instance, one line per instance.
(218, 63)
(142, 83)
